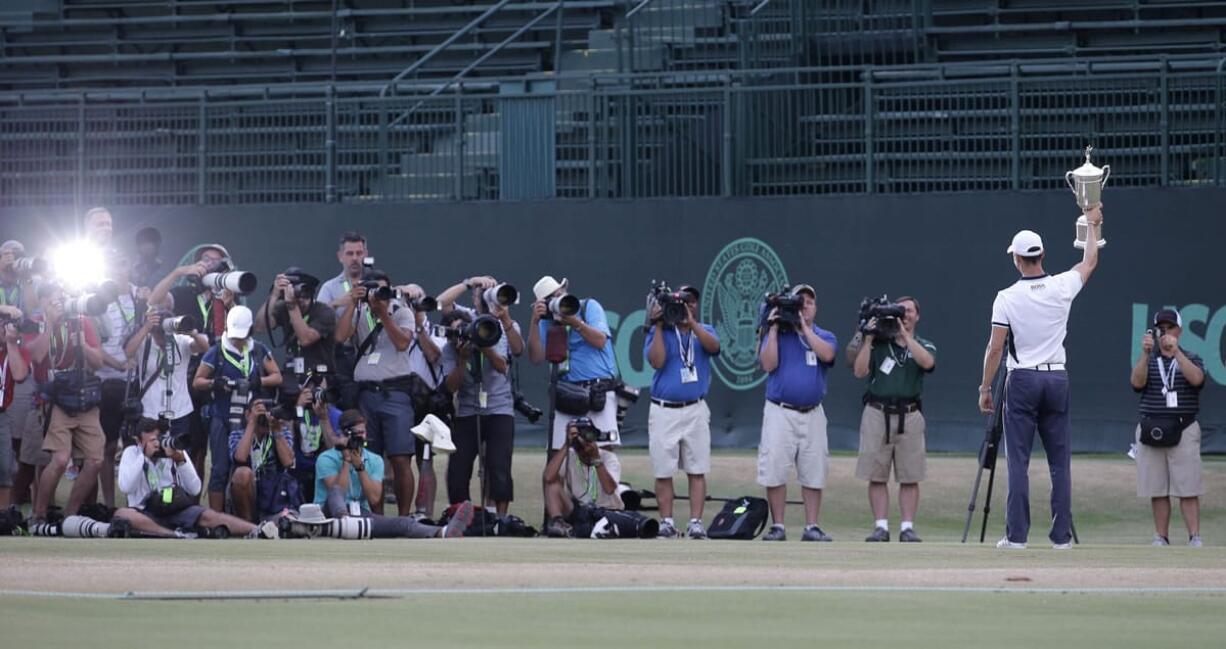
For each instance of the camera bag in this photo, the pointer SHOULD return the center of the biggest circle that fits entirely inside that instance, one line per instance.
(75, 391)
(1163, 431)
(159, 507)
(743, 519)
(572, 398)
(276, 490)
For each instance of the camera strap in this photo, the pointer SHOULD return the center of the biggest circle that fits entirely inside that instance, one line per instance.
(367, 343)
(144, 364)
(685, 347)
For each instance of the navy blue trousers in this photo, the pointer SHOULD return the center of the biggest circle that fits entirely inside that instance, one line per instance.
(1038, 401)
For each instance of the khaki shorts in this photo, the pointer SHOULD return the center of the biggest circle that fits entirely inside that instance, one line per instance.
(905, 452)
(793, 439)
(32, 452)
(82, 434)
(679, 438)
(1174, 471)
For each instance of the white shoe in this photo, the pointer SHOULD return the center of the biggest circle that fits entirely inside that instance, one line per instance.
(1062, 546)
(1006, 544)
(1132, 451)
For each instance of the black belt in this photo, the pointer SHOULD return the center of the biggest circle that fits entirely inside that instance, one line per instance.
(674, 404)
(900, 408)
(789, 406)
(590, 382)
(398, 383)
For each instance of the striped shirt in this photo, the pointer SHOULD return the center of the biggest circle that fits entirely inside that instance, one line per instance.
(1153, 401)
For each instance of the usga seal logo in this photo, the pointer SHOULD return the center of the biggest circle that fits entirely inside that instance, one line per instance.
(742, 273)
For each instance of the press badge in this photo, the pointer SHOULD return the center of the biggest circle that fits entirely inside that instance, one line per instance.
(373, 358)
(689, 374)
(299, 365)
(887, 365)
(1172, 399)
(811, 358)
(168, 494)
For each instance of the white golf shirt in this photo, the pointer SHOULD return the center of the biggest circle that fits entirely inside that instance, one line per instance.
(1036, 310)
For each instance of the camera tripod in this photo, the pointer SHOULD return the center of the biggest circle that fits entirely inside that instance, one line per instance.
(988, 450)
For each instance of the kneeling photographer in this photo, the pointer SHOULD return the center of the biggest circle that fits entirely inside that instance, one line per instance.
(160, 350)
(476, 360)
(349, 486)
(381, 328)
(236, 369)
(163, 491)
(892, 426)
(581, 489)
(262, 454)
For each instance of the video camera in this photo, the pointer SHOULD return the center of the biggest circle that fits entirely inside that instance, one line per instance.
(588, 432)
(788, 308)
(889, 316)
(484, 331)
(672, 304)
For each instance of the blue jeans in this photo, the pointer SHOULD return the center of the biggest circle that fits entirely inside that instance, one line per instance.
(1039, 401)
(389, 418)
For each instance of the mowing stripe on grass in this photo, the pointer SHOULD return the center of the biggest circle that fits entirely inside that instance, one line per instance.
(404, 592)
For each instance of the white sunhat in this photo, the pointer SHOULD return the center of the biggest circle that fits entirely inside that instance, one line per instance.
(308, 513)
(1026, 243)
(434, 432)
(546, 286)
(238, 322)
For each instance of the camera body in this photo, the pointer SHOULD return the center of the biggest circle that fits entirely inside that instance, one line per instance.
(588, 432)
(788, 308)
(889, 316)
(352, 443)
(673, 310)
(484, 331)
(529, 411)
(377, 292)
(24, 325)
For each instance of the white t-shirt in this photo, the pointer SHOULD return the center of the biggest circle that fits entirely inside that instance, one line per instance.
(154, 401)
(1036, 310)
(113, 327)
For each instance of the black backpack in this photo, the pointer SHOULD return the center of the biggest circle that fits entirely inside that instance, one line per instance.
(742, 518)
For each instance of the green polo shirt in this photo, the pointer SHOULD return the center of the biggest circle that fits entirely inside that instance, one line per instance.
(905, 380)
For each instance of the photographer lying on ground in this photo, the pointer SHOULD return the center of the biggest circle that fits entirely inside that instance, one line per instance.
(162, 489)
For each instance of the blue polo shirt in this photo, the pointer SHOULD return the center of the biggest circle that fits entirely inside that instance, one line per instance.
(329, 464)
(795, 382)
(227, 363)
(666, 384)
(586, 362)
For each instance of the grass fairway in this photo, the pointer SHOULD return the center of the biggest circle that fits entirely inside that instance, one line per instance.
(1111, 591)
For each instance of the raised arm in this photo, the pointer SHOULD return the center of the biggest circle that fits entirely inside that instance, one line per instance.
(1089, 256)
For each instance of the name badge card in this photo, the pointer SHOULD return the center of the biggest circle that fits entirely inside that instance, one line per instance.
(811, 358)
(887, 365)
(299, 365)
(373, 358)
(689, 374)
(1172, 399)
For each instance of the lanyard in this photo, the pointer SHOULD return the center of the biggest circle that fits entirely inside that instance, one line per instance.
(245, 366)
(11, 296)
(906, 354)
(57, 353)
(685, 347)
(259, 452)
(311, 433)
(370, 321)
(127, 315)
(1168, 380)
(151, 476)
(204, 310)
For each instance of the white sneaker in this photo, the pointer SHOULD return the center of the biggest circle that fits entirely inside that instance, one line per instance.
(1195, 542)
(1006, 544)
(1160, 541)
(1062, 546)
(1132, 451)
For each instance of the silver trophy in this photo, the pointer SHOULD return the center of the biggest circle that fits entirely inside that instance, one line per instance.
(1087, 182)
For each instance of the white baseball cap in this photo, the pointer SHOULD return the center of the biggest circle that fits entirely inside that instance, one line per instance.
(546, 286)
(1026, 243)
(238, 322)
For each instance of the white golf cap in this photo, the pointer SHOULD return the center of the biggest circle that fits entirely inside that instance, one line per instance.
(1026, 243)
(546, 286)
(238, 322)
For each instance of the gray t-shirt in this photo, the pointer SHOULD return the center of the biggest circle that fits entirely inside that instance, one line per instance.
(333, 290)
(382, 360)
(497, 386)
(418, 364)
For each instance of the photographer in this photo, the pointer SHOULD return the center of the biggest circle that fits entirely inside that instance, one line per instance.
(210, 308)
(17, 276)
(349, 484)
(68, 347)
(114, 327)
(576, 335)
(478, 375)
(163, 490)
(14, 369)
(17, 302)
(306, 324)
(160, 357)
(313, 434)
(679, 348)
(233, 370)
(262, 454)
(796, 354)
(580, 475)
(892, 426)
(381, 329)
(147, 268)
(1169, 380)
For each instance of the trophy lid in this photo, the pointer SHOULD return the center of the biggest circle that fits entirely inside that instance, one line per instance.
(1088, 170)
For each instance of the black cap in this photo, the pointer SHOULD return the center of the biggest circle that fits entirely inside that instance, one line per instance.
(692, 290)
(1168, 315)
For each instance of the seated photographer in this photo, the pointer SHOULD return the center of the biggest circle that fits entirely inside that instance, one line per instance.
(68, 353)
(679, 348)
(306, 324)
(1169, 379)
(161, 358)
(163, 491)
(478, 375)
(575, 335)
(584, 474)
(233, 371)
(381, 329)
(313, 434)
(14, 369)
(262, 454)
(892, 426)
(796, 354)
(349, 484)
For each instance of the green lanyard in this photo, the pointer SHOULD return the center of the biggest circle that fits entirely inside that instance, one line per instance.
(204, 311)
(259, 452)
(151, 476)
(11, 296)
(245, 366)
(56, 355)
(312, 433)
(370, 322)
